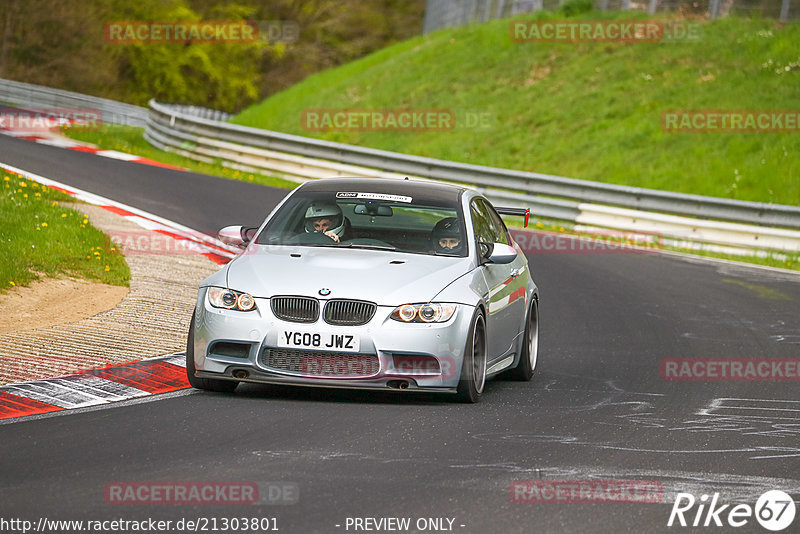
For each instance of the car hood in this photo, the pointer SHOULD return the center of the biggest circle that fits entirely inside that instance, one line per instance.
(387, 278)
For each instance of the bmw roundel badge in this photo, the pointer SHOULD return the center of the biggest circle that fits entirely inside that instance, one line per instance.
(324, 291)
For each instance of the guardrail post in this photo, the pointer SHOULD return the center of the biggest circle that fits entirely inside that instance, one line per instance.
(652, 7)
(713, 9)
(785, 11)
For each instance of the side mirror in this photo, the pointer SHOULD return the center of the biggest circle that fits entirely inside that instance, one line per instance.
(237, 236)
(498, 253)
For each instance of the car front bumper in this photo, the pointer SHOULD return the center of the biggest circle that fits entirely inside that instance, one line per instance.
(391, 354)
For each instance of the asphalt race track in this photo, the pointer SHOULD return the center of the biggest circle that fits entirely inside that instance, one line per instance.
(597, 409)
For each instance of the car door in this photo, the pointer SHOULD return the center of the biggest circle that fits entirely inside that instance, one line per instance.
(506, 286)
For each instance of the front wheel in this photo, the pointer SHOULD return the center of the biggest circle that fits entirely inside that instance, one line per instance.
(208, 384)
(530, 346)
(473, 368)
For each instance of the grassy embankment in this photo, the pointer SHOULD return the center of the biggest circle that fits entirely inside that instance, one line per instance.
(586, 110)
(41, 238)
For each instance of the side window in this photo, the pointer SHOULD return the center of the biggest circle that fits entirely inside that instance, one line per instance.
(498, 227)
(481, 222)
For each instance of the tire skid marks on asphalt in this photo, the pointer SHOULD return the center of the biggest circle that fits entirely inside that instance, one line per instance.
(199, 242)
(94, 387)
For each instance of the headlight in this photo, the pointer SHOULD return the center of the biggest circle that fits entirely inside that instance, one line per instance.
(430, 312)
(230, 300)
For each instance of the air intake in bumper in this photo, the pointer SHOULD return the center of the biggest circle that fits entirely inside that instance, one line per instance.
(322, 364)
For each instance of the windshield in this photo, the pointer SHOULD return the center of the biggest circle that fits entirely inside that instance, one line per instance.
(367, 220)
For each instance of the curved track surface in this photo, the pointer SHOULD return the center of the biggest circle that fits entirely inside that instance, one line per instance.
(596, 409)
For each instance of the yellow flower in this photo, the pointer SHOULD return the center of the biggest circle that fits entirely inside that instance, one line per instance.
(63, 215)
(107, 268)
(6, 178)
(44, 224)
(23, 184)
(38, 194)
(85, 221)
(12, 283)
(25, 195)
(54, 203)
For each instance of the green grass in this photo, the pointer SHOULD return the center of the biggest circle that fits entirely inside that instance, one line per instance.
(130, 140)
(42, 238)
(587, 110)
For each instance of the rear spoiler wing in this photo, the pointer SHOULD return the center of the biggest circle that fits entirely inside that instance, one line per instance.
(521, 212)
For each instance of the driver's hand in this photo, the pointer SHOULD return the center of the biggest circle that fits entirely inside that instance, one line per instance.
(332, 236)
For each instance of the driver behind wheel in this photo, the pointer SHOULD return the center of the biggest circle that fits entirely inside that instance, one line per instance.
(446, 236)
(325, 218)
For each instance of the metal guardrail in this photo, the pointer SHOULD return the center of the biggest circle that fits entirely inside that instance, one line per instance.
(201, 134)
(21, 94)
(448, 13)
(550, 196)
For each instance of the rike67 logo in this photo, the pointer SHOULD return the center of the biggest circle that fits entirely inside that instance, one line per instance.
(774, 510)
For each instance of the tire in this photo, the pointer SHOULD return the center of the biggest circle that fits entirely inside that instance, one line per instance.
(530, 346)
(473, 369)
(208, 384)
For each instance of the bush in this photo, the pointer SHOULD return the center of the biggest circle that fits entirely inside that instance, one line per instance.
(572, 8)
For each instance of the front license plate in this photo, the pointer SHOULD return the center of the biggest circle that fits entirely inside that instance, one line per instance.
(294, 339)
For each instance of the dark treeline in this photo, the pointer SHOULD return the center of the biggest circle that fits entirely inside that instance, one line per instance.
(61, 43)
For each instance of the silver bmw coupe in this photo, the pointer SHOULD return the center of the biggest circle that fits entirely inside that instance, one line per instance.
(370, 284)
